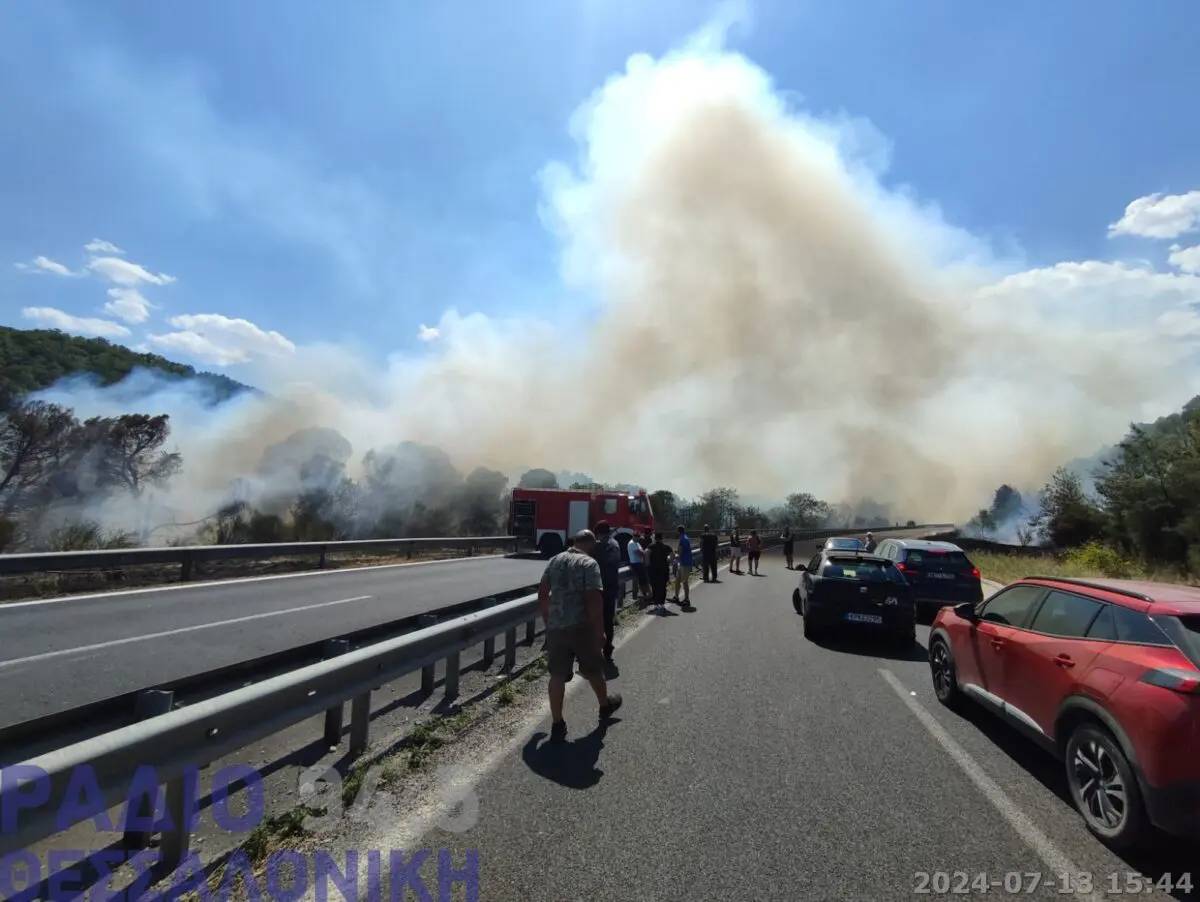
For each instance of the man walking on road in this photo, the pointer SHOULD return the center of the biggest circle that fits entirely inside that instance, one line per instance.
(683, 573)
(870, 543)
(789, 546)
(572, 606)
(708, 554)
(607, 553)
(658, 568)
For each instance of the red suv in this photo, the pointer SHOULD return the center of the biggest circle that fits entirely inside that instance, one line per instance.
(1103, 673)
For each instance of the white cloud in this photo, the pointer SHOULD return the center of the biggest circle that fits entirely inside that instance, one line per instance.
(128, 304)
(124, 272)
(221, 340)
(428, 333)
(1160, 216)
(76, 325)
(1186, 258)
(100, 246)
(42, 264)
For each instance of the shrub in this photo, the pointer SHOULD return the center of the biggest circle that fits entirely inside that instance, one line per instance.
(1098, 558)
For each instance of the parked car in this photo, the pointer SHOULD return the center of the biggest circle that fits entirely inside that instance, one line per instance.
(940, 573)
(1103, 673)
(841, 543)
(855, 589)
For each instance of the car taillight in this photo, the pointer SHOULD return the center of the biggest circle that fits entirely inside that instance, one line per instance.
(1177, 679)
(975, 573)
(902, 568)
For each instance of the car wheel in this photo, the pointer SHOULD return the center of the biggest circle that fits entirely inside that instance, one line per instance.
(811, 630)
(1104, 788)
(796, 601)
(941, 668)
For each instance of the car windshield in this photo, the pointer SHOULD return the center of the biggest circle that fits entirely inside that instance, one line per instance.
(861, 570)
(932, 559)
(844, 543)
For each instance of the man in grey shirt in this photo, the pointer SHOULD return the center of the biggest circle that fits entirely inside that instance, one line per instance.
(572, 606)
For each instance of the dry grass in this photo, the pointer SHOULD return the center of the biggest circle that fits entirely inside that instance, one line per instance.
(1004, 568)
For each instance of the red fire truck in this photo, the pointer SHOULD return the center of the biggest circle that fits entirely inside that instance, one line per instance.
(544, 518)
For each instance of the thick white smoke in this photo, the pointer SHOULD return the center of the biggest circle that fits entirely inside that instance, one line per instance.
(768, 315)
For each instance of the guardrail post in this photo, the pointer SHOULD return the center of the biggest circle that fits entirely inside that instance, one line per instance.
(470, 551)
(530, 630)
(428, 675)
(360, 724)
(408, 547)
(510, 648)
(321, 562)
(489, 644)
(333, 716)
(149, 703)
(176, 838)
(185, 567)
(452, 668)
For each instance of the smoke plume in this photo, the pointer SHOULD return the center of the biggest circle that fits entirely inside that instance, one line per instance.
(766, 312)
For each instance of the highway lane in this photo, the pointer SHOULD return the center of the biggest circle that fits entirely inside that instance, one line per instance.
(749, 763)
(60, 653)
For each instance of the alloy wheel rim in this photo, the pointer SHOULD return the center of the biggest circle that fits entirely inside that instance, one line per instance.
(941, 670)
(1100, 785)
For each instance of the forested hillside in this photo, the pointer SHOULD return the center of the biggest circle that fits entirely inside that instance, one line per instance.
(33, 359)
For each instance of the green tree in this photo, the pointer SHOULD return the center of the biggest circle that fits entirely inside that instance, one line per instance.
(1067, 516)
(805, 511)
(35, 438)
(665, 506)
(538, 478)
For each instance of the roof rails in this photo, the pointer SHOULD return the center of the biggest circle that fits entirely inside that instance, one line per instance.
(1129, 593)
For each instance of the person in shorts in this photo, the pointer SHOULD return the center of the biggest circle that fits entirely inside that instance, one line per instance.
(735, 551)
(789, 545)
(683, 569)
(571, 600)
(753, 552)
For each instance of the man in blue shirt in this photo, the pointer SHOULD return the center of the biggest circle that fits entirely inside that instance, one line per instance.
(683, 572)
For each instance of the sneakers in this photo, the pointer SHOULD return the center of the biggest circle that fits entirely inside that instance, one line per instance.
(607, 711)
(558, 731)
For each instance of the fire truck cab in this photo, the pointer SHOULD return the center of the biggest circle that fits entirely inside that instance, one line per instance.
(543, 518)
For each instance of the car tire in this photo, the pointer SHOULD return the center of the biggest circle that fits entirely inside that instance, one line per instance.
(796, 601)
(1104, 788)
(941, 670)
(811, 631)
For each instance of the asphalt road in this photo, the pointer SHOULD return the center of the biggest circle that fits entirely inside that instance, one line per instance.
(57, 654)
(749, 763)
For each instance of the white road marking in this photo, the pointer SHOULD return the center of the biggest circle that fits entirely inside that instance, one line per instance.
(6, 606)
(1054, 858)
(175, 632)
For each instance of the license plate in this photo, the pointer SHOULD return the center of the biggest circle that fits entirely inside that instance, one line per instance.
(864, 618)
(940, 575)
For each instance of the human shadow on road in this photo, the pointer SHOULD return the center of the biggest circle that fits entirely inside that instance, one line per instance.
(570, 764)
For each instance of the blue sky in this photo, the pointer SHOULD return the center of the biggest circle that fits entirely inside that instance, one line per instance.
(330, 172)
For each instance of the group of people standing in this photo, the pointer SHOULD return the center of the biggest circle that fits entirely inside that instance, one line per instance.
(652, 561)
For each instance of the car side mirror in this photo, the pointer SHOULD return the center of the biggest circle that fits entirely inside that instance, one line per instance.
(966, 611)
(818, 545)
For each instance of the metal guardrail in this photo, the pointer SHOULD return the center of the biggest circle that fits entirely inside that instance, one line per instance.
(189, 555)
